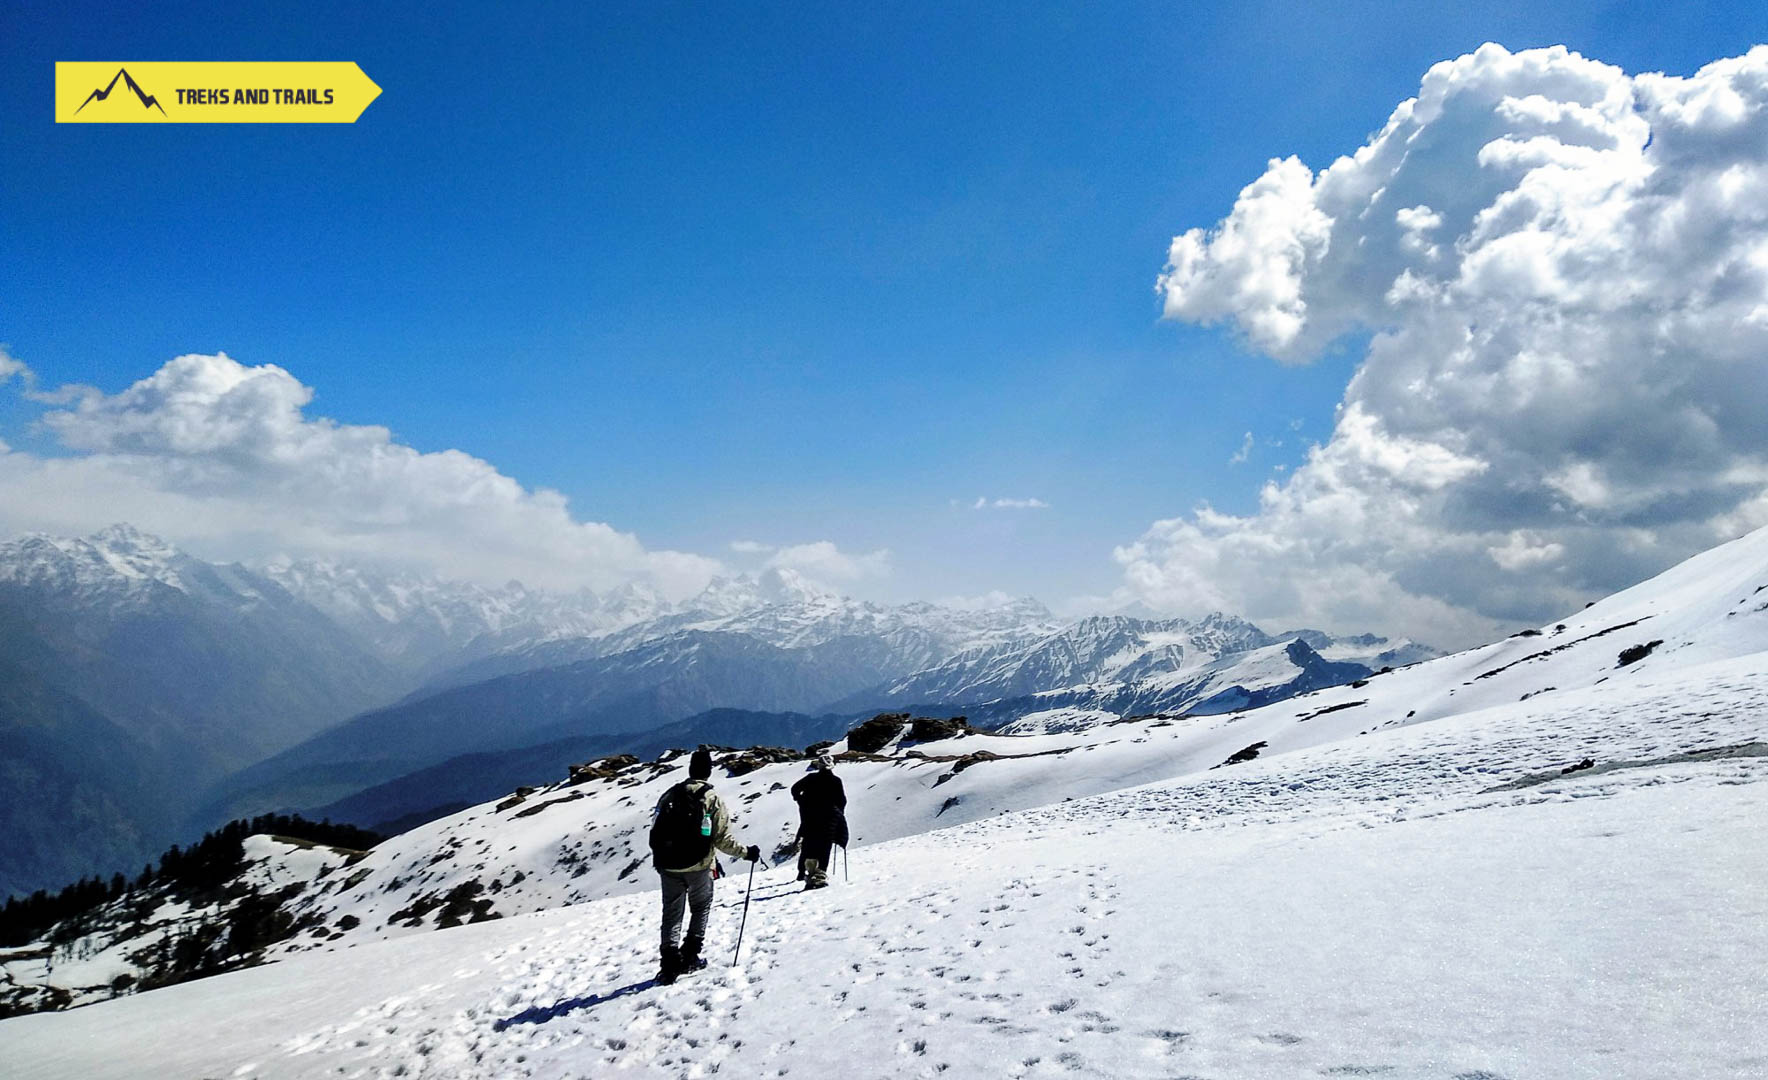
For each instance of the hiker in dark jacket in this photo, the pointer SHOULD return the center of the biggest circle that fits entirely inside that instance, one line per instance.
(822, 818)
(694, 805)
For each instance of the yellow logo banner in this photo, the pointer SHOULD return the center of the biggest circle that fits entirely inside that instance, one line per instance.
(202, 92)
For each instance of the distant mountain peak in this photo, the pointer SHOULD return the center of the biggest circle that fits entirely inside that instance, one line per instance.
(116, 561)
(124, 538)
(1224, 621)
(784, 586)
(777, 585)
(995, 601)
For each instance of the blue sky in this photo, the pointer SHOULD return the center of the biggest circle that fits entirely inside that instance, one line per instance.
(721, 272)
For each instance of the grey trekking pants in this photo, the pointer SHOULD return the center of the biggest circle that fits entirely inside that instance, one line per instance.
(694, 889)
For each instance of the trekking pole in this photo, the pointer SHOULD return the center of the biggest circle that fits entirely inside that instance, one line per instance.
(845, 880)
(745, 920)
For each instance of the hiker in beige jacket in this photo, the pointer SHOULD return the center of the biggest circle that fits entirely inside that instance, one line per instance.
(691, 828)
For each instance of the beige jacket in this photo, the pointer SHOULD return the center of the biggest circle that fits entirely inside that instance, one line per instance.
(722, 840)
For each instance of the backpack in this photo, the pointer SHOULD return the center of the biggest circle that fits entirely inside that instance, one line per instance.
(676, 841)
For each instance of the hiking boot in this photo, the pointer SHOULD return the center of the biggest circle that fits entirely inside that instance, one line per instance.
(814, 878)
(671, 967)
(690, 955)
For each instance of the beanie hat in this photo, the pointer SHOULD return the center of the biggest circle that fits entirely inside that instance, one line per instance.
(700, 765)
(825, 761)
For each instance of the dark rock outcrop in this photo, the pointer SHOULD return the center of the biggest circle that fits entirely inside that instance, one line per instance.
(875, 734)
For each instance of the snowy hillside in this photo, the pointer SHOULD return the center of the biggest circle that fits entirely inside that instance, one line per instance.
(1435, 900)
(568, 843)
(143, 938)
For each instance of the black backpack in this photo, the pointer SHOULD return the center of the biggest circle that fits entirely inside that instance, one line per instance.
(675, 835)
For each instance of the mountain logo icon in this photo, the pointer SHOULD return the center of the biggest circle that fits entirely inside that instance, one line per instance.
(148, 101)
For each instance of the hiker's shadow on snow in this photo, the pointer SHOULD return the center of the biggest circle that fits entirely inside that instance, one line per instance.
(540, 1014)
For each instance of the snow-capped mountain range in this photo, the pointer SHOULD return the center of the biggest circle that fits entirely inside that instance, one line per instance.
(453, 633)
(786, 610)
(1123, 665)
(818, 654)
(1472, 848)
(117, 565)
(131, 676)
(425, 624)
(311, 682)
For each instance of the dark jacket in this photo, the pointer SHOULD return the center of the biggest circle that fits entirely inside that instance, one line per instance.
(822, 807)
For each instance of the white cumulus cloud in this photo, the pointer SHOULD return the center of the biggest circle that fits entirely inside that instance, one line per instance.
(10, 367)
(223, 458)
(1563, 270)
(822, 561)
(989, 601)
(1524, 549)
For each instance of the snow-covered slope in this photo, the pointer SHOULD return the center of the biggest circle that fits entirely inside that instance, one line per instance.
(133, 941)
(1436, 900)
